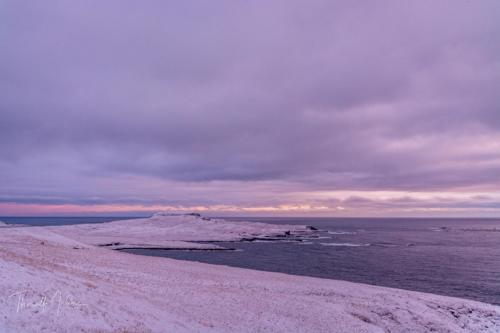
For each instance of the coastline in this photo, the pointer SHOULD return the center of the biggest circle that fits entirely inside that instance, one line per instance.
(54, 280)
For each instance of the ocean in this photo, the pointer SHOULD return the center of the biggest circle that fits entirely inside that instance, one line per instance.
(454, 257)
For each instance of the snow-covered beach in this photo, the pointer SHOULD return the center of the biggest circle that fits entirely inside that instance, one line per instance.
(67, 278)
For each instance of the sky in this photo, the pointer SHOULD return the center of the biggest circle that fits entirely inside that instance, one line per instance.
(263, 108)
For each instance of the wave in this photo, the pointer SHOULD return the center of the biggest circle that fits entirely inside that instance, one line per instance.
(345, 244)
(481, 229)
(341, 233)
(477, 229)
(439, 229)
(316, 237)
(386, 244)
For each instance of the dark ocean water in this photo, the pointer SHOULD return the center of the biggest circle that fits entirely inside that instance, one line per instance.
(454, 257)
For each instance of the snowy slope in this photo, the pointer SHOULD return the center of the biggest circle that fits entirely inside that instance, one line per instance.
(50, 282)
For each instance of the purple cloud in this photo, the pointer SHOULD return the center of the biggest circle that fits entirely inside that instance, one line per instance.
(315, 96)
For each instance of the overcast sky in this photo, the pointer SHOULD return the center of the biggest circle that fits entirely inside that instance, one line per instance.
(346, 108)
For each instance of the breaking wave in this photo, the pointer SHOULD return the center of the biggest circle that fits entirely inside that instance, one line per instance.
(341, 233)
(345, 244)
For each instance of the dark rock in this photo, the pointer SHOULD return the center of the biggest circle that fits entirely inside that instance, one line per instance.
(110, 244)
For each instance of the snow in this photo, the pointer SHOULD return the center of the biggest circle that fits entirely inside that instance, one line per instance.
(51, 282)
(164, 230)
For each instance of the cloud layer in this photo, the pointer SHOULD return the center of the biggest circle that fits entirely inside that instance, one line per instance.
(249, 104)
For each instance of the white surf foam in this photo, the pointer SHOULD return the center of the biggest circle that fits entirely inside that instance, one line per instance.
(344, 244)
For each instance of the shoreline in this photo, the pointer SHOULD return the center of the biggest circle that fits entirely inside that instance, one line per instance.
(89, 288)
